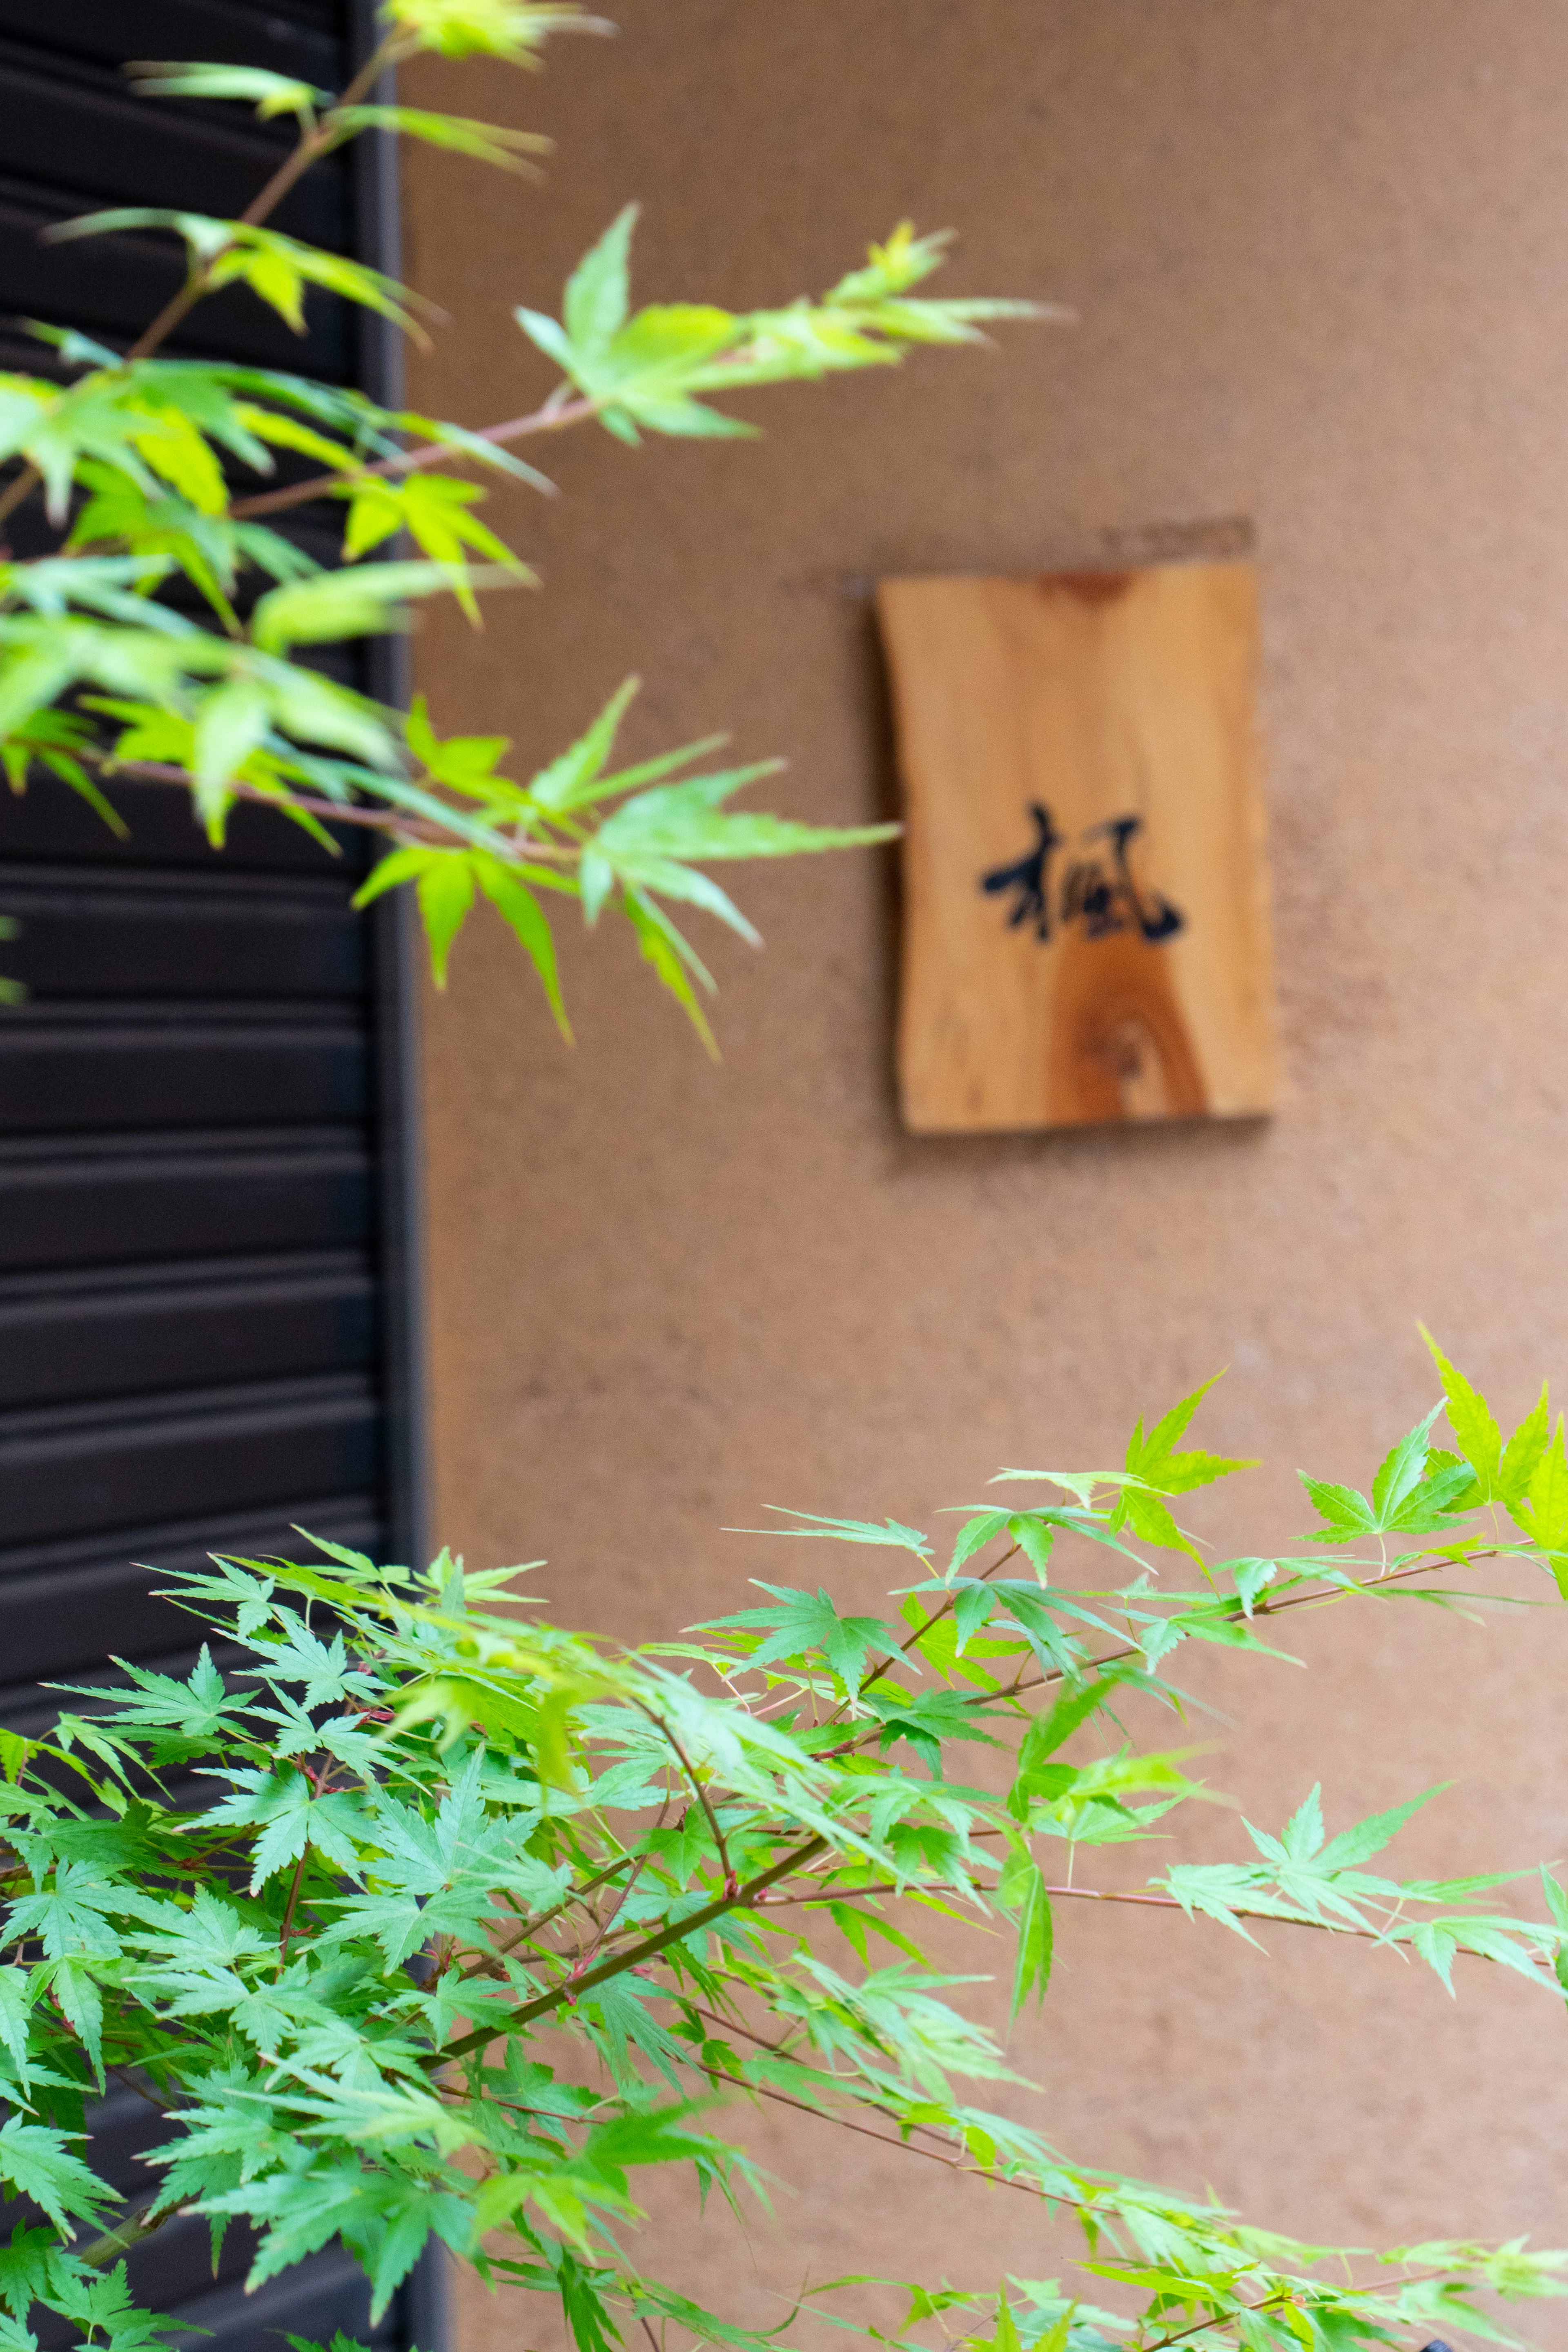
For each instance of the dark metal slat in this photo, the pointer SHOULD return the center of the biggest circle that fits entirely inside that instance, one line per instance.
(74, 942)
(203, 1147)
(60, 1342)
(50, 822)
(76, 1471)
(202, 1073)
(306, 42)
(92, 138)
(112, 285)
(68, 1605)
(131, 1201)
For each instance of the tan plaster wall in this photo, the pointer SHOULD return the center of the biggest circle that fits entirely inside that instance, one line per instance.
(1319, 255)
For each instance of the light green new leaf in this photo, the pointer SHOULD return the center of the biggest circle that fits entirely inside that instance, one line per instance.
(1251, 1577)
(1354, 1846)
(673, 961)
(974, 1536)
(1034, 1534)
(486, 142)
(1156, 1461)
(888, 1534)
(599, 289)
(1345, 1513)
(644, 372)
(1542, 1512)
(362, 601)
(445, 887)
(1522, 1453)
(276, 267)
(16, 2009)
(517, 906)
(513, 29)
(271, 93)
(572, 780)
(1022, 1888)
(233, 723)
(432, 509)
(1472, 1421)
(444, 881)
(801, 1623)
(1153, 1522)
(685, 821)
(1053, 1730)
(1556, 1898)
(1409, 1497)
(271, 424)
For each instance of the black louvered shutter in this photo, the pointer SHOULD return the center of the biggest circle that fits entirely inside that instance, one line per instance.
(205, 1211)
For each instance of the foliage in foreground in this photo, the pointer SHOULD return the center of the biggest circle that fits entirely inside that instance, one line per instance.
(418, 1915)
(166, 633)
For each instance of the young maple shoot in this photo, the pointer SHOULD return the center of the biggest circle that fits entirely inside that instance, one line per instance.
(420, 1917)
(145, 470)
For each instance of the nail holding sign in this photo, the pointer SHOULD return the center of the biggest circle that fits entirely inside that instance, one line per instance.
(1086, 901)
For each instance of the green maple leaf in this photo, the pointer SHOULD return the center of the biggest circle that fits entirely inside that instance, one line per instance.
(38, 2163)
(805, 1622)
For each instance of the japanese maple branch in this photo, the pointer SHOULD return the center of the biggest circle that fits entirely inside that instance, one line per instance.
(1260, 1608)
(551, 417)
(311, 146)
(1238, 1911)
(1003, 2180)
(673, 1932)
(1278, 2294)
(129, 2231)
(1097, 1894)
(389, 820)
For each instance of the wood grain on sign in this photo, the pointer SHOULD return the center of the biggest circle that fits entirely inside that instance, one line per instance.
(1085, 917)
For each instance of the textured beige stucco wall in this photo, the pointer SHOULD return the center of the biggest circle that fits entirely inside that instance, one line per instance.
(1318, 251)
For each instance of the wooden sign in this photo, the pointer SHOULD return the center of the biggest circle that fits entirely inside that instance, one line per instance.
(1086, 920)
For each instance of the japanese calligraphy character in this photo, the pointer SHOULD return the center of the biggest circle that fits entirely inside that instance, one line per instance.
(1030, 877)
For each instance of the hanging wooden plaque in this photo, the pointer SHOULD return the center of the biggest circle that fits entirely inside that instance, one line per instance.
(1085, 917)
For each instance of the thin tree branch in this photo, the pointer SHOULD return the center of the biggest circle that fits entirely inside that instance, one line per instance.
(1238, 1911)
(1279, 2294)
(884, 1665)
(731, 1884)
(633, 1957)
(550, 418)
(318, 1783)
(310, 148)
(127, 2232)
(996, 2179)
(733, 2025)
(1260, 1608)
(490, 1965)
(322, 139)
(25, 483)
(312, 145)
(388, 819)
(583, 1960)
